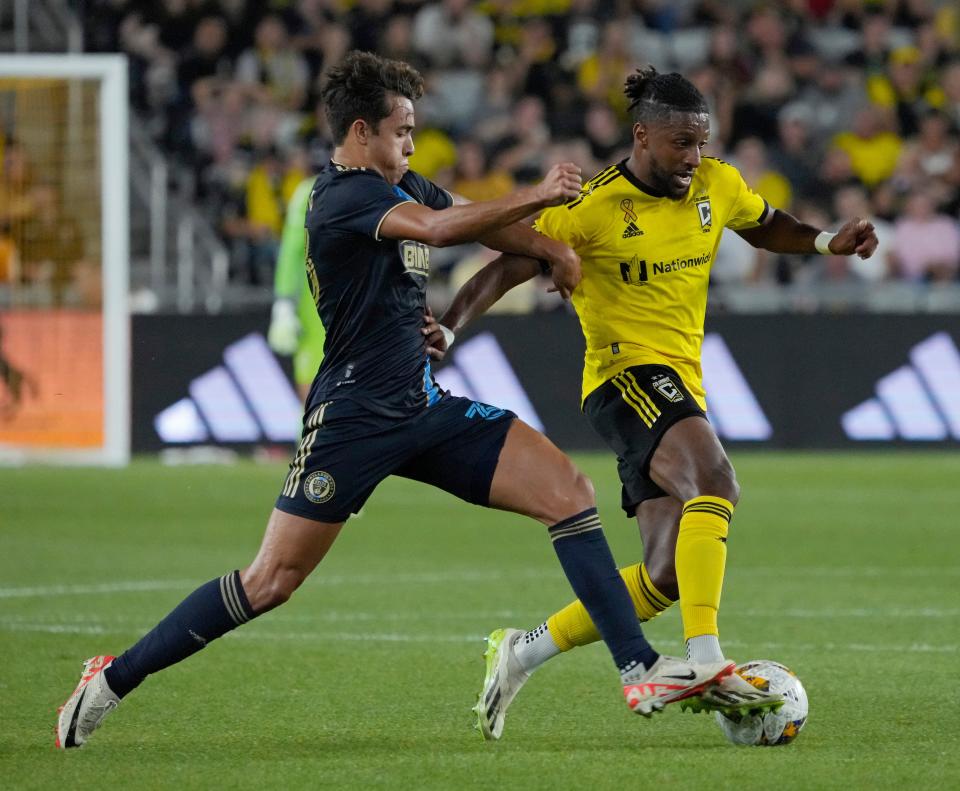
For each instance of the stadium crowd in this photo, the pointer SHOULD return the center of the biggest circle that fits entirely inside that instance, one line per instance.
(830, 108)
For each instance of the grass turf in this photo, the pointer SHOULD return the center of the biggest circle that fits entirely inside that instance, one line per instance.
(843, 567)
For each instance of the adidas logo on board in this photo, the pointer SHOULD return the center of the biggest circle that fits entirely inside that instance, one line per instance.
(481, 372)
(919, 401)
(247, 399)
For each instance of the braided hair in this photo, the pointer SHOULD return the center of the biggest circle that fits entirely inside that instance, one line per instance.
(654, 96)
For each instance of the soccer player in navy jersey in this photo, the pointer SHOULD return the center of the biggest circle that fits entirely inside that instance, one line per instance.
(374, 410)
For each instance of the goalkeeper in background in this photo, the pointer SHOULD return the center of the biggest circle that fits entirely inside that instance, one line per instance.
(295, 327)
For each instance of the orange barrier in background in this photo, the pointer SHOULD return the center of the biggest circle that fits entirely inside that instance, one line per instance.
(51, 379)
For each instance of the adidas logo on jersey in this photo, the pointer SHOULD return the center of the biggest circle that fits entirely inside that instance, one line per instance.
(631, 230)
(916, 401)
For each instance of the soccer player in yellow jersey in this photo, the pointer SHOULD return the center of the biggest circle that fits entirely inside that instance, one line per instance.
(646, 230)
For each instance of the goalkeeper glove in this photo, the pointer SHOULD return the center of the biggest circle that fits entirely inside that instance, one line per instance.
(284, 329)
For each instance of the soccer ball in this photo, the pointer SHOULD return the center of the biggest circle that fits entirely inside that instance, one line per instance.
(771, 728)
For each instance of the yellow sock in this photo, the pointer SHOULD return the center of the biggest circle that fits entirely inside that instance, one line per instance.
(572, 626)
(701, 558)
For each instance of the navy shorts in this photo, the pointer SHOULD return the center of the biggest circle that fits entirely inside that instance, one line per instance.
(346, 451)
(632, 412)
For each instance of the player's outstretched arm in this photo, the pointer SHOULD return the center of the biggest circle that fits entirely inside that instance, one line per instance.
(476, 296)
(783, 233)
(520, 239)
(459, 224)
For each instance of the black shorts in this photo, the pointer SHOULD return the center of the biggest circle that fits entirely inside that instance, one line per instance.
(346, 450)
(632, 412)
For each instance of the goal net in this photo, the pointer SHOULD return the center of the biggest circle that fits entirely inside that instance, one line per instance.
(64, 238)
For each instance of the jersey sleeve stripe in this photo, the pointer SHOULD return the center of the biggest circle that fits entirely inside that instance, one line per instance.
(593, 186)
(376, 233)
(603, 173)
(612, 177)
(594, 182)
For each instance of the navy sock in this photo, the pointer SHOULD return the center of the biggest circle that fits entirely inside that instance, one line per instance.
(209, 612)
(588, 563)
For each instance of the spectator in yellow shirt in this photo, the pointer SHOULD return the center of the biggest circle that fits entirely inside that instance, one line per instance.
(750, 157)
(907, 87)
(872, 149)
(474, 180)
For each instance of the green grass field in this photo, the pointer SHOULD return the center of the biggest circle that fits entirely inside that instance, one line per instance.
(844, 567)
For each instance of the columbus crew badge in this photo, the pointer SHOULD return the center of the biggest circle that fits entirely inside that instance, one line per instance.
(706, 214)
(319, 487)
(665, 386)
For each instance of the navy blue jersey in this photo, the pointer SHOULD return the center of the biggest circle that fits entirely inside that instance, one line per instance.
(369, 292)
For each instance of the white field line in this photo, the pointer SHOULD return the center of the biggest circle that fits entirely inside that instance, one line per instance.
(127, 586)
(410, 578)
(400, 637)
(862, 612)
(460, 575)
(495, 616)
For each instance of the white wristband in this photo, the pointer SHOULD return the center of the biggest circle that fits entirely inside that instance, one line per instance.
(448, 335)
(822, 242)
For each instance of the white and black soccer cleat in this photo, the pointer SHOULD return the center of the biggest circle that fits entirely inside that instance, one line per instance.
(85, 709)
(734, 695)
(670, 680)
(501, 684)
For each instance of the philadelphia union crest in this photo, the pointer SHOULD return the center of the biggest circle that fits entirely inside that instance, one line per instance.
(319, 487)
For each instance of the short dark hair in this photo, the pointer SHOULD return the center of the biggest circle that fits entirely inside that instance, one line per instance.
(653, 96)
(358, 86)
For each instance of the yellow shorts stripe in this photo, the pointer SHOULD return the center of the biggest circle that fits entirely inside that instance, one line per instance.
(636, 387)
(638, 406)
(631, 397)
(638, 393)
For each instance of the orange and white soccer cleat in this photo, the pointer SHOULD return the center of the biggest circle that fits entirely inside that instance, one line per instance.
(85, 709)
(669, 680)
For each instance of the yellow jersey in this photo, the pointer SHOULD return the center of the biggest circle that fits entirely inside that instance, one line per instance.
(646, 265)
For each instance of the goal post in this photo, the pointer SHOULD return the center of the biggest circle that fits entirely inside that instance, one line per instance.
(64, 260)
